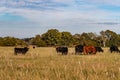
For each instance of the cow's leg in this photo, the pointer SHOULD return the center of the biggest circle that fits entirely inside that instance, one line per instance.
(15, 52)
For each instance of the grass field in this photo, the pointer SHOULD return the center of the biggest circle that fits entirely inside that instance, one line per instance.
(45, 64)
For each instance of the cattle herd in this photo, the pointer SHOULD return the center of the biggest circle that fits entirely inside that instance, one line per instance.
(79, 49)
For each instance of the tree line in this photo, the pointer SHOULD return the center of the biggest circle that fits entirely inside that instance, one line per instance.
(54, 37)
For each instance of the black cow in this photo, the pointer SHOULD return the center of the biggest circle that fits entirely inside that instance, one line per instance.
(99, 49)
(20, 50)
(62, 49)
(78, 49)
(114, 49)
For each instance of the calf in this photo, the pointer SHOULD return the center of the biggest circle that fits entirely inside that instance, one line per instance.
(33, 47)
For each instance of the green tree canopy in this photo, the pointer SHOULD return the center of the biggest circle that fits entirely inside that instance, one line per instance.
(52, 37)
(67, 38)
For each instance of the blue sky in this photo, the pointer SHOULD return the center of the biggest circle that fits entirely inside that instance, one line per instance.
(27, 18)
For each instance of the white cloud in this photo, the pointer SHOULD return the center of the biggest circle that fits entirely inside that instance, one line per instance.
(104, 2)
(54, 17)
(74, 18)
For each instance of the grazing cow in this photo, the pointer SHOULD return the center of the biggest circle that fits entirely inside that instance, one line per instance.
(89, 50)
(62, 49)
(114, 49)
(78, 49)
(20, 50)
(99, 49)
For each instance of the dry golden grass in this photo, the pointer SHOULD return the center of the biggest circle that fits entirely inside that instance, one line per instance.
(45, 64)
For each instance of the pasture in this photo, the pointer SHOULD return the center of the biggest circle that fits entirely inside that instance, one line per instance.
(44, 63)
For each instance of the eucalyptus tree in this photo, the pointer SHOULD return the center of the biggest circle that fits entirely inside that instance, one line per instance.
(52, 37)
(67, 38)
(113, 38)
(37, 41)
(104, 38)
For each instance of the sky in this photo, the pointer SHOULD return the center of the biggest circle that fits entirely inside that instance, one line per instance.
(27, 18)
